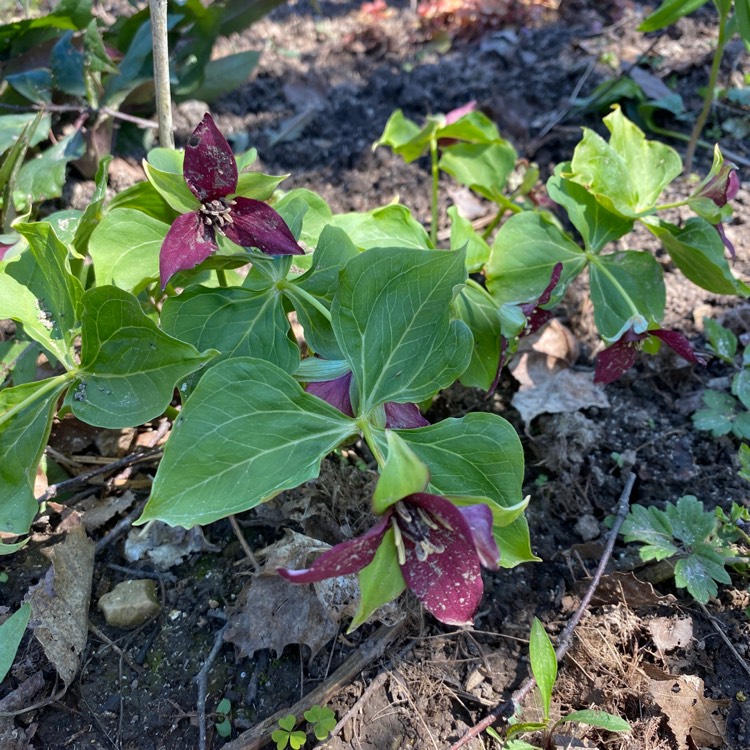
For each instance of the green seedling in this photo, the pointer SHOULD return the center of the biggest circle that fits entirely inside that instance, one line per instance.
(287, 736)
(223, 723)
(322, 719)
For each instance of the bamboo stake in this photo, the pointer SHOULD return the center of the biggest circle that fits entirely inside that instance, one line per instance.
(161, 72)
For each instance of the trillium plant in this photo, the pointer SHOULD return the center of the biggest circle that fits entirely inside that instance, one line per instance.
(175, 298)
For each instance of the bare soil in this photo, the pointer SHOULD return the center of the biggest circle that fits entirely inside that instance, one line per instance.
(329, 77)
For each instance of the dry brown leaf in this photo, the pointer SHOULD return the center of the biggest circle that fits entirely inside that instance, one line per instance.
(669, 633)
(688, 712)
(617, 587)
(166, 546)
(97, 512)
(60, 602)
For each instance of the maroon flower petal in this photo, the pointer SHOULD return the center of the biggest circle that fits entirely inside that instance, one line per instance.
(531, 307)
(448, 583)
(500, 364)
(188, 242)
(678, 343)
(335, 392)
(403, 416)
(210, 169)
(347, 557)
(256, 224)
(614, 361)
(479, 518)
(727, 242)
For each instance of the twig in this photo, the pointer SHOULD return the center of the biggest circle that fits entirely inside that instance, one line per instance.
(202, 680)
(724, 637)
(111, 644)
(259, 735)
(243, 543)
(161, 72)
(374, 685)
(117, 115)
(119, 528)
(563, 642)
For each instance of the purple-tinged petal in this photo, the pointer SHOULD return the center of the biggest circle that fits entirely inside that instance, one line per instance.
(188, 242)
(210, 169)
(449, 583)
(456, 114)
(614, 361)
(403, 416)
(678, 343)
(256, 224)
(335, 392)
(529, 308)
(500, 364)
(479, 518)
(348, 557)
(728, 244)
(4, 249)
(722, 187)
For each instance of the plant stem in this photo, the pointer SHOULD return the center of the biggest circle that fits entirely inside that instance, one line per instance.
(293, 289)
(435, 185)
(51, 385)
(221, 277)
(161, 72)
(700, 123)
(365, 426)
(676, 204)
(171, 413)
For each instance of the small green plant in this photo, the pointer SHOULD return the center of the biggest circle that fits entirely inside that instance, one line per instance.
(701, 543)
(322, 719)
(223, 723)
(286, 734)
(544, 668)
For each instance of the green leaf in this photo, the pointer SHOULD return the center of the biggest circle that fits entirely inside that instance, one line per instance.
(224, 75)
(626, 286)
(66, 62)
(35, 85)
(595, 224)
(463, 234)
(11, 633)
(224, 707)
(721, 340)
(473, 127)
(144, 197)
(258, 186)
(741, 387)
(288, 722)
(246, 433)
(628, 174)
(743, 456)
(653, 528)
(94, 210)
(718, 415)
(380, 582)
(669, 12)
(483, 167)
(95, 53)
(125, 249)
(699, 572)
(519, 745)
(12, 126)
(691, 524)
(741, 426)
(392, 322)
(405, 137)
(129, 367)
(317, 216)
(402, 474)
(479, 312)
(323, 720)
(524, 253)
(697, 250)
(543, 663)
(26, 413)
(742, 16)
(600, 719)
(164, 171)
(223, 727)
(389, 226)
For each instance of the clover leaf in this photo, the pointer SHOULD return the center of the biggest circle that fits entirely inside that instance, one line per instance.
(323, 720)
(286, 736)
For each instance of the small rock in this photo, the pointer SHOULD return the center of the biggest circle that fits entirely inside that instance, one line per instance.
(587, 527)
(130, 604)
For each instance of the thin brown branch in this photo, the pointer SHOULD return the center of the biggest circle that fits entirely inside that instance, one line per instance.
(507, 708)
(202, 680)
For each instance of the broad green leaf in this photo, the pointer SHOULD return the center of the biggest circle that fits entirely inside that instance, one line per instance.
(479, 312)
(95, 209)
(144, 197)
(224, 75)
(314, 370)
(628, 174)
(543, 663)
(473, 127)
(389, 226)
(9, 549)
(626, 286)
(164, 171)
(697, 250)
(129, 367)
(11, 633)
(524, 253)
(392, 321)
(234, 321)
(66, 62)
(380, 582)
(483, 167)
(258, 186)
(42, 178)
(35, 85)
(742, 16)
(691, 524)
(463, 234)
(721, 340)
(601, 719)
(669, 12)
(718, 414)
(26, 413)
(12, 126)
(700, 571)
(651, 527)
(246, 433)
(519, 745)
(594, 223)
(65, 225)
(402, 474)
(741, 387)
(317, 216)
(405, 137)
(125, 248)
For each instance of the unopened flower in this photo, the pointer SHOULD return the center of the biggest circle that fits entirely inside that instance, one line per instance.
(440, 549)
(210, 171)
(620, 356)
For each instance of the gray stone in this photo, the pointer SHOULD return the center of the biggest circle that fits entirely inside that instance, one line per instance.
(130, 604)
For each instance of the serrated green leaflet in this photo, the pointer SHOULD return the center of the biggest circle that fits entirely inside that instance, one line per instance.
(524, 253)
(391, 317)
(236, 322)
(389, 226)
(691, 524)
(723, 342)
(697, 250)
(594, 223)
(246, 433)
(628, 174)
(718, 414)
(699, 572)
(543, 663)
(129, 367)
(125, 248)
(11, 632)
(626, 286)
(651, 527)
(26, 413)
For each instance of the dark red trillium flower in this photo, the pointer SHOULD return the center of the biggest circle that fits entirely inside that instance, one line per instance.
(440, 547)
(336, 393)
(721, 188)
(620, 356)
(210, 172)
